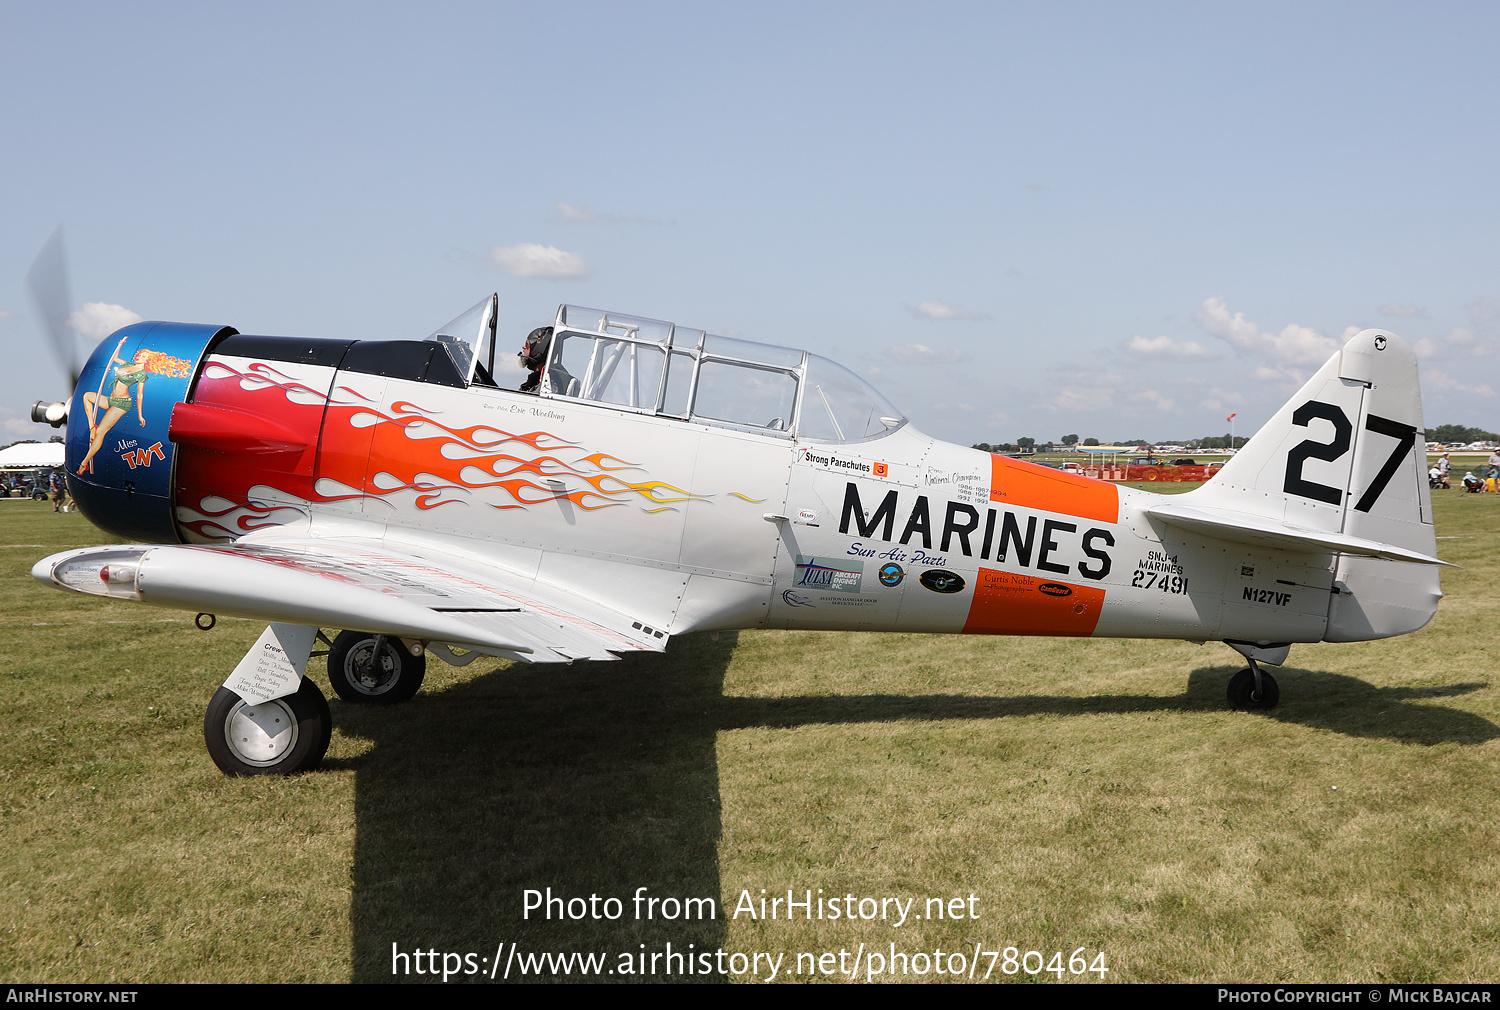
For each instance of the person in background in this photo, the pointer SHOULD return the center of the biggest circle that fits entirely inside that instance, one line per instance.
(1444, 465)
(56, 485)
(1494, 464)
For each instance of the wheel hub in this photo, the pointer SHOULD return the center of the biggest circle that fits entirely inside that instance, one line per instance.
(261, 735)
(372, 674)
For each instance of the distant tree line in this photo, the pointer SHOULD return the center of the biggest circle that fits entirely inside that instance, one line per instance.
(1029, 444)
(30, 441)
(1442, 433)
(1458, 433)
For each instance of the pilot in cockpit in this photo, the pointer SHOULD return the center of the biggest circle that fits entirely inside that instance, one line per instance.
(533, 355)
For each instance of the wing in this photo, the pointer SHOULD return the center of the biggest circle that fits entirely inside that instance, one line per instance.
(360, 585)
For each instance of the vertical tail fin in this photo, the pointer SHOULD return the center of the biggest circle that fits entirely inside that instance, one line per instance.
(1347, 455)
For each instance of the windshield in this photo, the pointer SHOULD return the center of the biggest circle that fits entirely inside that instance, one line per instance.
(470, 338)
(839, 406)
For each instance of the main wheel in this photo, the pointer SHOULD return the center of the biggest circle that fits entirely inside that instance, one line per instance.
(359, 675)
(281, 737)
(1242, 694)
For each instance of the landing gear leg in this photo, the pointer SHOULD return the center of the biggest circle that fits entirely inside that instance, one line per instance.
(1253, 689)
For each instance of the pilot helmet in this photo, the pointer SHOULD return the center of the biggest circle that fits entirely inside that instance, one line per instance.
(534, 351)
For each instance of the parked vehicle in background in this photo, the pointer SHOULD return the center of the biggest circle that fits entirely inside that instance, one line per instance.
(1151, 468)
(24, 484)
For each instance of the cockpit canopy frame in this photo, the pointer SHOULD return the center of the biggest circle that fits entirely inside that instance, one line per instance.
(650, 366)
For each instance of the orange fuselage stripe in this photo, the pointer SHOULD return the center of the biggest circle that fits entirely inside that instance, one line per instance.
(1008, 603)
(1027, 485)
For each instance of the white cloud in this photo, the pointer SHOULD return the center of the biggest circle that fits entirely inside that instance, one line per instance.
(1402, 311)
(574, 212)
(1156, 399)
(1294, 345)
(1469, 344)
(934, 309)
(1081, 388)
(1222, 399)
(921, 354)
(1165, 348)
(508, 364)
(577, 213)
(1424, 348)
(531, 260)
(1485, 310)
(97, 320)
(7, 315)
(1443, 381)
(1074, 398)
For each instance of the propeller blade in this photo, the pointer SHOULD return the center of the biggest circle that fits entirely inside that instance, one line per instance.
(48, 282)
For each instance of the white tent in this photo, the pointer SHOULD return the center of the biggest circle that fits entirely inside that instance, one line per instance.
(31, 456)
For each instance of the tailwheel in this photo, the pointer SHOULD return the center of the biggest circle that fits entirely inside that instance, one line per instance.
(1245, 696)
(374, 669)
(280, 737)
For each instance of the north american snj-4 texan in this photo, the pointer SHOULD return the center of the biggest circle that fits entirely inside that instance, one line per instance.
(659, 480)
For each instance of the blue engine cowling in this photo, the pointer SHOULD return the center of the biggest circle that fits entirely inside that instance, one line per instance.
(120, 410)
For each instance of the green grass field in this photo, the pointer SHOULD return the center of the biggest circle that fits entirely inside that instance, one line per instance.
(1090, 794)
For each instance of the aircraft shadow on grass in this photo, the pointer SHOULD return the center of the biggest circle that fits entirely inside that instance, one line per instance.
(603, 778)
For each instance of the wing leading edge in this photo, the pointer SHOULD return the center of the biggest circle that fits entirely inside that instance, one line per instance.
(358, 585)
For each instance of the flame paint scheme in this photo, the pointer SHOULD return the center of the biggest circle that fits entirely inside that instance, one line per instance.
(664, 481)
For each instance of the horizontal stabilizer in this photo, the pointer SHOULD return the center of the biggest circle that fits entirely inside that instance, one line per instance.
(1244, 528)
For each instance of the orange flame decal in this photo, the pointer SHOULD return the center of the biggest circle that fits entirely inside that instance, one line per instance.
(368, 452)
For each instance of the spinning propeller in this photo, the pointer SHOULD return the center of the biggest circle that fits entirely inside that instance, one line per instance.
(47, 280)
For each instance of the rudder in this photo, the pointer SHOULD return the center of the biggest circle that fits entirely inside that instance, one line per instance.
(1347, 455)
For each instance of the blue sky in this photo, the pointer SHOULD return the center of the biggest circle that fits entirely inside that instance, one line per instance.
(1115, 220)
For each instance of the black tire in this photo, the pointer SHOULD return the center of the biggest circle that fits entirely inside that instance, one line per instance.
(1242, 696)
(393, 679)
(246, 739)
